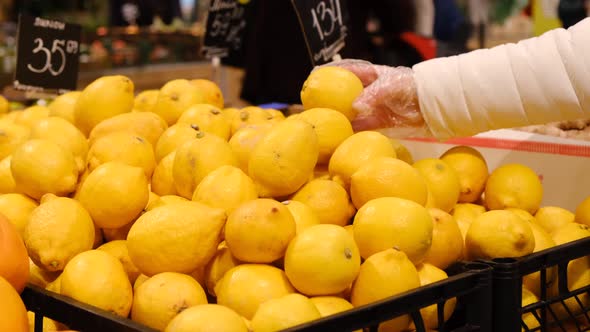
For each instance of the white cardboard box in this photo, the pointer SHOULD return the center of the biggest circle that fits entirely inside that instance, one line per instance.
(562, 164)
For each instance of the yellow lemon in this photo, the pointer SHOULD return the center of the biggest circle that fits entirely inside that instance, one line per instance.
(472, 169)
(172, 138)
(276, 114)
(114, 194)
(144, 124)
(465, 213)
(330, 305)
(356, 151)
(4, 105)
(165, 199)
(259, 231)
(104, 98)
(174, 98)
(429, 274)
(31, 115)
(447, 241)
(11, 137)
(145, 101)
(245, 287)
(55, 285)
(97, 278)
(189, 231)
(125, 147)
(331, 127)
(160, 298)
(387, 177)
(582, 215)
(322, 260)
(162, 182)
(401, 151)
(303, 215)
(570, 232)
(118, 249)
(140, 280)
(39, 276)
(230, 113)
(210, 91)
(284, 158)
(284, 312)
(17, 208)
(529, 318)
(243, 141)
(328, 200)
(64, 105)
(226, 188)
(64, 134)
(49, 325)
(499, 234)
(331, 87)
(391, 222)
(442, 182)
(207, 118)
(14, 316)
(7, 184)
(578, 276)
(58, 230)
(249, 115)
(513, 185)
(41, 166)
(553, 218)
(222, 262)
(374, 282)
(197, 158)
(114, 234)
(206, 318)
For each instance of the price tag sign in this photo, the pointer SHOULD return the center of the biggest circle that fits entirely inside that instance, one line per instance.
(47, 55)
(325, 27)
(226, 23)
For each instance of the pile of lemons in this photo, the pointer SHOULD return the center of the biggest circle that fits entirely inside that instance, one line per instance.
(167, 208)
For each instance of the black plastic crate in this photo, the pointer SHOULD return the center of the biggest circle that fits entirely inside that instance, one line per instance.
(470, 283)
(508, 274)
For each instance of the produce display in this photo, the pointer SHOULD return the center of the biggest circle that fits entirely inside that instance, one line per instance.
(183, 215)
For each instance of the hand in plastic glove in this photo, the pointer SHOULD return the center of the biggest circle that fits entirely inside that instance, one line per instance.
(389, 101)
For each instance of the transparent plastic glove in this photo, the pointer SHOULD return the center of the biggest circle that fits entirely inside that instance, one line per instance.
(389, 102)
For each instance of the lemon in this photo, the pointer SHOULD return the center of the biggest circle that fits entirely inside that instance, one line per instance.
(582, 215)
(284, 158)
(430, 274)
(570, 232)
(39, 276)
(64, 105)
(97, 278)
(11, 137)
(499, 234)
(58, 230)
(113, 234)
(64, 134)
(140, 280)
(197, 158)
(118, 248)
(189, 231)
(553, 218)
(31, 115)
(174, 98)
(211, 92)
(259, 231)
(243, 141)
(332, 87)
(276, 114)
(55, 285)
(529, 318)
(328, 200)
(387, 177)
(513, 185)
(226, 188)
(162, 182)
(125, 147)
(401, 151)
(303, 215)
(391, 222)
(165, 199)
(374, 282)
(472, 169)
(160, 298)
(447, 241)
(331, 127)
(17, 208)
(284, 312)
(245, 287)
(222, 262)
(206, 318)
(4, 105)
(145, 101)
(7, 184)
(172, 138)
(144, 124)
(114, 194)
(578, 276)
(356, 151)
(104, 98)
(330, 305)
(41, 166)
(230, 113)
(465, 213)
(322, 260)
(442, 182)
(49, 325)
(207, 118)
(249, 115)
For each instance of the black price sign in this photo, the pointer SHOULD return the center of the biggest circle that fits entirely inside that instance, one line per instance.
(47, 55)
(226, 23)
(324, 24)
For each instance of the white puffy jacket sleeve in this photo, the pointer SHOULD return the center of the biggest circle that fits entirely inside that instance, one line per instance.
(535, 81)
